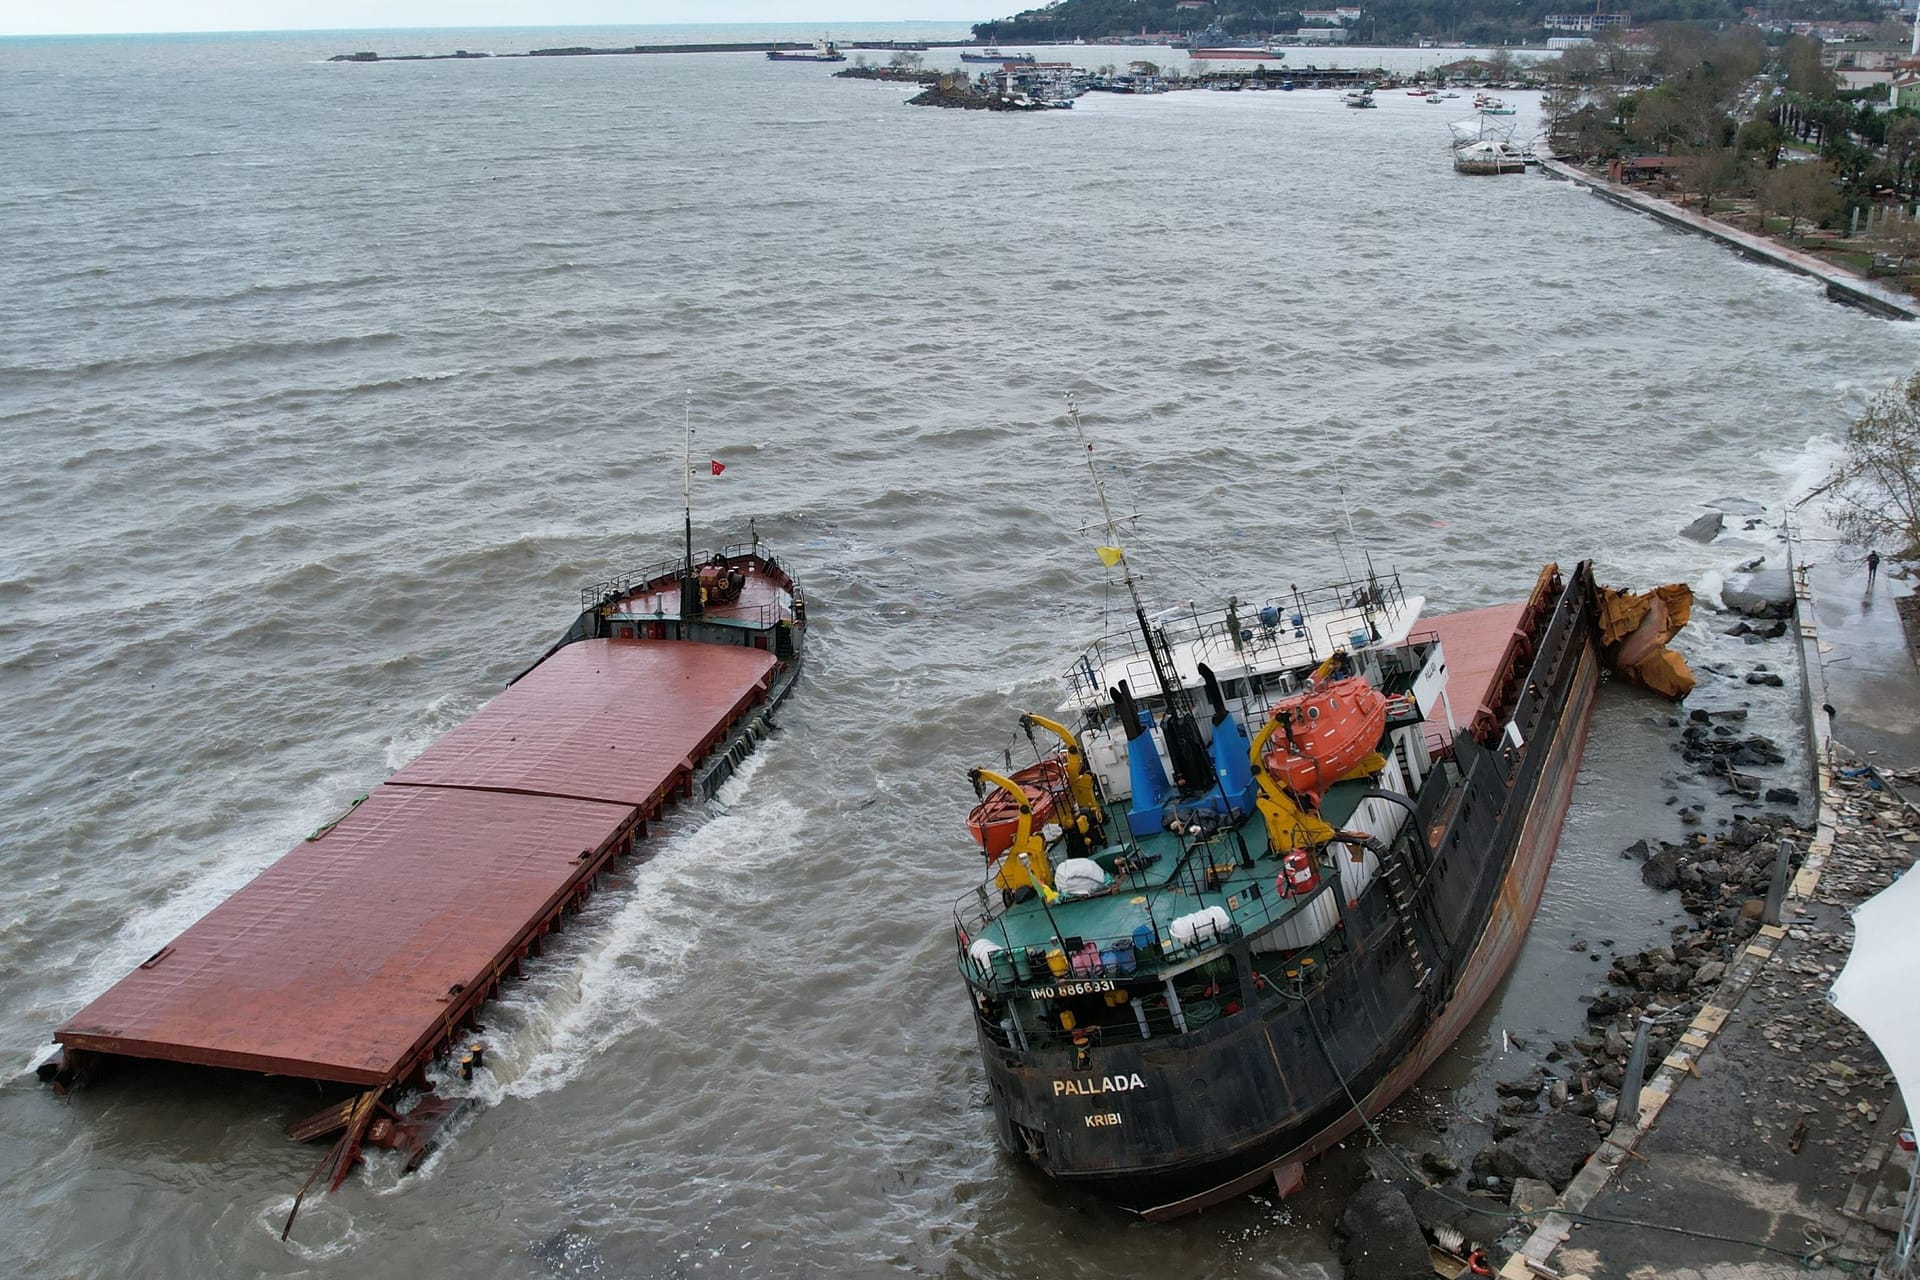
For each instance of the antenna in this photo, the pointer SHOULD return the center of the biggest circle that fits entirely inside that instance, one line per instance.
(1192, 767)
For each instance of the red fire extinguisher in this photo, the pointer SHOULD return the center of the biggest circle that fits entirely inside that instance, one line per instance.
(1298, 876)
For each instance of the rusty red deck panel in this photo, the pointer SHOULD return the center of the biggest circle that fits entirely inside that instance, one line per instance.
(356, 955)
(616, 720)
(762, 600)
(338, 961)
(1474, 642)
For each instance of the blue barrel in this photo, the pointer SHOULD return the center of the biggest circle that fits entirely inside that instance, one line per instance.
(1142, 937)
(1121, 961)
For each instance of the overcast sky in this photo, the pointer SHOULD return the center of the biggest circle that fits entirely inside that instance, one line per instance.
(57, 17)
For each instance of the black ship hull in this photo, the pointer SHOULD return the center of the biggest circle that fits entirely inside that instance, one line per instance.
(1168, 1125)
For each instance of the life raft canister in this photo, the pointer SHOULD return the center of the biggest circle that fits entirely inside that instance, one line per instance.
(1298, 876)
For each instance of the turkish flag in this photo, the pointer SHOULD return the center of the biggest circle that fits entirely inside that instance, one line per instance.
(718, 466)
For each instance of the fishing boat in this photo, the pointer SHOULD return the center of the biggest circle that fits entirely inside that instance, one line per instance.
(1268, 860)
(823, 50)
(1361, 98)
(995, 56)
(1488, 105)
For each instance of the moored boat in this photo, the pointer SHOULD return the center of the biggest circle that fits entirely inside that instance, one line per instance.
(1241, 928)
(1268, 52)
(823, 50)
(995, 56)
(1361, 98)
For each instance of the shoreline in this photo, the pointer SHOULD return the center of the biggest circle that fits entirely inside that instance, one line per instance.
(1842, 286)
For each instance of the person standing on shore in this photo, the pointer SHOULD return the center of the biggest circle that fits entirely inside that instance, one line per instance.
(1873, 569)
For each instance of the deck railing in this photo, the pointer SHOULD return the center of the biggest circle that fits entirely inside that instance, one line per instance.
(607, 590)
(1292, 629)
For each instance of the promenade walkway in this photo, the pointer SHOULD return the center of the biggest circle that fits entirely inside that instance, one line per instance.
(1842, 286)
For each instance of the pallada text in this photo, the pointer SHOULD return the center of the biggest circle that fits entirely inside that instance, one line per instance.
(1089, 1086)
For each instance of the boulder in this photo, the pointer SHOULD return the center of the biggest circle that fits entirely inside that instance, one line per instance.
(1662, 870)
(1550, 1149)
(1380, 1237)
(1765, 594)
(1530, 1195)
(1706, 528)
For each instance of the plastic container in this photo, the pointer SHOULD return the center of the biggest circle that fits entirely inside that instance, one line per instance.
(1057, 963)
(1122, 961)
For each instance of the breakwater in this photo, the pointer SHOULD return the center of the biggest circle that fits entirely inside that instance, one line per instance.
(588, 51)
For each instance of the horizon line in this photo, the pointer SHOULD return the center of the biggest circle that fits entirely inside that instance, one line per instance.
(498, 26)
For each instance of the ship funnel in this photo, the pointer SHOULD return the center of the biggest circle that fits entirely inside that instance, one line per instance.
(1232, 755)
(1150, 786)
(1213, 694)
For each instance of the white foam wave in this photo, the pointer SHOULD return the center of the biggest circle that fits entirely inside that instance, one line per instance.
(323, 1230)
(596, 985)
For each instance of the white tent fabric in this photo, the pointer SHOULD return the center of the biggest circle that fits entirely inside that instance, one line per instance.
(1879, 991)
(1880, 986)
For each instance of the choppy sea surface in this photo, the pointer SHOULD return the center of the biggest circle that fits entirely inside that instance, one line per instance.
(324, 387)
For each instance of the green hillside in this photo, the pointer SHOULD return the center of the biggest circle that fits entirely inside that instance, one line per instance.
(1388, 22)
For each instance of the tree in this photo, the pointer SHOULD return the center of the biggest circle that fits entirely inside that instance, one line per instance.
(1801, 193)
(1806, 72)
(1903, 145)
(1760, 138)
(1875, 491)
(1659, 120)
(905, 61)
(1580, 64)
(1709, 172)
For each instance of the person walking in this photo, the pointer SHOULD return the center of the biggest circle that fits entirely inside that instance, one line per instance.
(1873, 568)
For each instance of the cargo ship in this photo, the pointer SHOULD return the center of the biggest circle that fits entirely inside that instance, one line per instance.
(1260, 870)
(1268, 52)
(996, 57)
(364, 955)
(822, 51)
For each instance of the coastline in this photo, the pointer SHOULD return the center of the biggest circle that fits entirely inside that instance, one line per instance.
(1841, 285)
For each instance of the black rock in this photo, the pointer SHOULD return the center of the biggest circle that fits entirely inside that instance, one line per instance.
(1766, 678)
(1706, 528)
(1782, 795)
(1551, 1149)
(1662, 870)
(1380, 1237)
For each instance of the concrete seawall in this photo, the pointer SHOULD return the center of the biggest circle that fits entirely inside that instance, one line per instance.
(1841, 286)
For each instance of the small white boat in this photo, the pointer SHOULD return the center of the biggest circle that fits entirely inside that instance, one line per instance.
(1358, 98)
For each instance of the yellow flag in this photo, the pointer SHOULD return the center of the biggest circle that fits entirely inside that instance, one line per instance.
(1109, 556)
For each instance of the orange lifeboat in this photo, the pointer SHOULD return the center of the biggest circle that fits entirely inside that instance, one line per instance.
(995, 819)
(1324, 733)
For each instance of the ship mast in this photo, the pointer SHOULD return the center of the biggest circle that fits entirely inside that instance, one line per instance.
(1191, 765)
(689, 584)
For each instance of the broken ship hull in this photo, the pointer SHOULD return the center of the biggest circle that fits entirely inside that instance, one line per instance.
(1170, 1125)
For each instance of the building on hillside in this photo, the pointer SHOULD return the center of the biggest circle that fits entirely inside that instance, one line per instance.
(1568, 42)
(1321, 35)
(1585, 21)
(1904, 90)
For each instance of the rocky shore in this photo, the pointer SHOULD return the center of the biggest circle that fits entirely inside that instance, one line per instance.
(1778, 1147)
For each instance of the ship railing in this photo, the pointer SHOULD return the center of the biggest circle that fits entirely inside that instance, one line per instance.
(1074, 964)
(1293, 629)
(608, 590)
